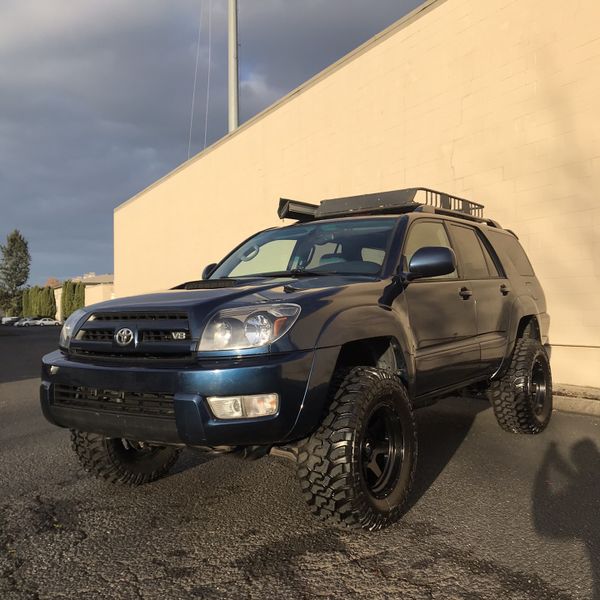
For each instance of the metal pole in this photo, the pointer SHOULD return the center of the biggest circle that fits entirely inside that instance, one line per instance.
(233, 66)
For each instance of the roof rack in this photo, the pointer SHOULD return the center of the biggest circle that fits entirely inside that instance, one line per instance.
(393, 202)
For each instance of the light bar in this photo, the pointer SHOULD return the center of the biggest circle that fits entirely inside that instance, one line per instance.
(294, 209)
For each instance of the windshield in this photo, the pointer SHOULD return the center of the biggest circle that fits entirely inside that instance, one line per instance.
(356, 246)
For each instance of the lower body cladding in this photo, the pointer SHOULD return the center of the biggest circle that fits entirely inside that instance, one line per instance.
(168, 404)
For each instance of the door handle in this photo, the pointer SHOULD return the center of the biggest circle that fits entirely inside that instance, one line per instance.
(465, 293)
(504, 289)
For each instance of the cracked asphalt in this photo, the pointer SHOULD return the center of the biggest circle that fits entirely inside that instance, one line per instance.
(493, 515)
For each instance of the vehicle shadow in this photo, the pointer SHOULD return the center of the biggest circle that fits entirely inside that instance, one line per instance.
(191, 458)
(441, 429)
(565, 499)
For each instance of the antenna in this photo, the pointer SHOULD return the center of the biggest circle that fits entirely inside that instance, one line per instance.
(233, 65)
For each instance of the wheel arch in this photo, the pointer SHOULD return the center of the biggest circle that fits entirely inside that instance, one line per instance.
(383, 352)
(529, 327)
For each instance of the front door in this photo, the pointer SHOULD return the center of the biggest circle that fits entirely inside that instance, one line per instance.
(442, 317)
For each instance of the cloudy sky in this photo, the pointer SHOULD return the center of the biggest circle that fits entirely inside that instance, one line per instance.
(96, 95)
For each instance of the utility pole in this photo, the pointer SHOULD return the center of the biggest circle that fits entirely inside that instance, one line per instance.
(233, 66)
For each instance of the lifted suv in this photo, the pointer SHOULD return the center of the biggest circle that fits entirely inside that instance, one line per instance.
(316, 341)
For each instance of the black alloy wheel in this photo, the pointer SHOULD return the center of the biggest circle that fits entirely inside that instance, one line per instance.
(382, 451)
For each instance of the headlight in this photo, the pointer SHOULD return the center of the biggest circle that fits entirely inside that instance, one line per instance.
(248, 327)
(67, 329)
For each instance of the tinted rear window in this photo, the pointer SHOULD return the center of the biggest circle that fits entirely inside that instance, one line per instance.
(508, 247)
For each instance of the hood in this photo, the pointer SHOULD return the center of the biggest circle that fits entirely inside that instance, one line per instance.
(321, 298)
(255, 291)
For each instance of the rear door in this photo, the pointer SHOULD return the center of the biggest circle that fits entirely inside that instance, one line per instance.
(442, 317)
(491, 290)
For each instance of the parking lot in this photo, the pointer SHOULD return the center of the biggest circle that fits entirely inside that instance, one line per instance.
(493, 515)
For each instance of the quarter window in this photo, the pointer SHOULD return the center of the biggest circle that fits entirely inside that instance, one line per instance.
(508, 246)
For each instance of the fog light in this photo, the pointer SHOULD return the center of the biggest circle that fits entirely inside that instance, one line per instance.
(244, 407)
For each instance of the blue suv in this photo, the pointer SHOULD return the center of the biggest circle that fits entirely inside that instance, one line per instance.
(316, 341)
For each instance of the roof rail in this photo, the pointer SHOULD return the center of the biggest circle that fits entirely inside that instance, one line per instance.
(393, 202)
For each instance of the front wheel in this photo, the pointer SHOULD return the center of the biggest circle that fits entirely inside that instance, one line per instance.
(122, 461)
(358, 467)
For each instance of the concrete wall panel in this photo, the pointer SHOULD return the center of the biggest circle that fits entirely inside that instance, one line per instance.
(494, 100)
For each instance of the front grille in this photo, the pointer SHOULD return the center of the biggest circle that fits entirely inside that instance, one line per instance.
(160, 334)
(98, 335)
(154, 335)
(112, 401)
(139, 316)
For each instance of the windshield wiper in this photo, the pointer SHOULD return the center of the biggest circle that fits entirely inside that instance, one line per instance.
(294, 273)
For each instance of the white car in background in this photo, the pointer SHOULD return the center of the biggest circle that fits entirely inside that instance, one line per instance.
(9, 320)
(46, 321)
(26, 322)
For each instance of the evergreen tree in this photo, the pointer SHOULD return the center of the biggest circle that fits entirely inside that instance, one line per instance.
(15, 261)
(25, 300)
(34, 301)
(80, 295)
(50, 302)
(66, 300)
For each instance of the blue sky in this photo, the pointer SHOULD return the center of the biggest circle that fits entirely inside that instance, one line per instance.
(96, 98)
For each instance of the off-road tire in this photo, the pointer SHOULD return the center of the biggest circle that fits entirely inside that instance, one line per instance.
(110, 459)
(330, 464)
(515, 397)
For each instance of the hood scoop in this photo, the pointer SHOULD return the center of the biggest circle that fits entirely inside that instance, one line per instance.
(207, 284)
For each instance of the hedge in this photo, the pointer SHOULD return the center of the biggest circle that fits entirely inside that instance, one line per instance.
(73, 297)
(38, 302)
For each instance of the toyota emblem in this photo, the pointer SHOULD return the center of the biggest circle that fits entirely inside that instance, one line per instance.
(124, 336)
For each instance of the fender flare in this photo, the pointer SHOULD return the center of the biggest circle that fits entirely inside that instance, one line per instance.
(359, 323)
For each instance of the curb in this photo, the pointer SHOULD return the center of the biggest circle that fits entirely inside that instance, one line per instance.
(579, 406)
(576, 399)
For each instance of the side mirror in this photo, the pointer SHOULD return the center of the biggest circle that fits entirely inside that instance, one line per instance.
(209, 270)
(431, 261)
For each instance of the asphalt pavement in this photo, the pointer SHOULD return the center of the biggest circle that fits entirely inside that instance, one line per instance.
(493, 515)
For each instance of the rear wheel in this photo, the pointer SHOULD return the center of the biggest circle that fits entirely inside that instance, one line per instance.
(522, 398)
(122, 461)
(358, 467)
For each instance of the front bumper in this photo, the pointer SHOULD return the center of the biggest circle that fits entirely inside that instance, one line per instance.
(302, 389)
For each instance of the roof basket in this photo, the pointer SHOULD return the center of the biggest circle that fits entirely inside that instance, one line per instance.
(393, 202)
(448, 202)
(398, 201)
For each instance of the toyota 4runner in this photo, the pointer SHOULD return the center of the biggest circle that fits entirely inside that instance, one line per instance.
(316, 341)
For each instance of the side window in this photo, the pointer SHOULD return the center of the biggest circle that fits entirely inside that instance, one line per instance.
(472, 258)
(426, 233)
(272, 256)
(491, 263)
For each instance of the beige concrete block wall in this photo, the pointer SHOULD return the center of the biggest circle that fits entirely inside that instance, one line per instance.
(494, 100)
(98, 293)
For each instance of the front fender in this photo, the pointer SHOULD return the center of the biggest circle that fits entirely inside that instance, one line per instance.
(349, 325)
(371, 321)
